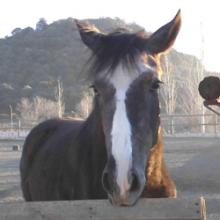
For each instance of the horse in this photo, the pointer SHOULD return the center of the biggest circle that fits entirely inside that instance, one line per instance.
(117, 152)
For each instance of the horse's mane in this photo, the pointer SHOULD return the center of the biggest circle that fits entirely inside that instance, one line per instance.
(120, 46)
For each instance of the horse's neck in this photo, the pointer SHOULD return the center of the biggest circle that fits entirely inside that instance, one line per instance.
(93, 130)
(92, 137)
(93, 142)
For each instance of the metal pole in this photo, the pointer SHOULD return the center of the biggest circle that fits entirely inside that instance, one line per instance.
(11, 116)
(216, 123)
(19, 127)
(172, 126)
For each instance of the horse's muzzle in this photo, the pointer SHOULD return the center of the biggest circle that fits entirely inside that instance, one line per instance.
(131, 195)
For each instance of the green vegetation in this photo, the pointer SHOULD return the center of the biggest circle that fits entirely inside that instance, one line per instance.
(32, 60)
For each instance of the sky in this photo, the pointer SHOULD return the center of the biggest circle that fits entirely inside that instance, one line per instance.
(199, 35)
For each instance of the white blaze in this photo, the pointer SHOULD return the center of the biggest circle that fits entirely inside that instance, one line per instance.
(121, 130)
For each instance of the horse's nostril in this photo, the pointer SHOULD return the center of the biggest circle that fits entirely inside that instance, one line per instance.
(134, 183)
(105, 182)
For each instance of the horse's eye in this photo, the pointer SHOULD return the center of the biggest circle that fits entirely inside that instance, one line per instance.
(94, 89)
(156, 84)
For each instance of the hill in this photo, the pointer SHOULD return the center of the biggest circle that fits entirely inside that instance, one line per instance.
(32, 60)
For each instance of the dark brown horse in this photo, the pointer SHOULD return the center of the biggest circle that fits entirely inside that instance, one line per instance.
(117, 152)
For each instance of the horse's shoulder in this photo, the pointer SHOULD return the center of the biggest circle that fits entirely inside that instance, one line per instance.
(50, 123)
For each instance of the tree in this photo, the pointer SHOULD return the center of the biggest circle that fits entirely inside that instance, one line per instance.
(189, 98)
(41, 24)
(169, 89)
(85, 105)
(16, 31)
(60, 98)
(36, 110)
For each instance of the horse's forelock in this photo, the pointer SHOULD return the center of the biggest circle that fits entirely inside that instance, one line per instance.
(119, 47)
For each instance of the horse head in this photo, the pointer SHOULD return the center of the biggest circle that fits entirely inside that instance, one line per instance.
(126, 72)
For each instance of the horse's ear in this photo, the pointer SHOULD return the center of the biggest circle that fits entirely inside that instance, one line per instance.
(164, 37)
(90, 35)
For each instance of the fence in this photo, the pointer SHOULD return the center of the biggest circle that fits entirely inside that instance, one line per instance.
(14, 129)
(197, 124)
(148, 209)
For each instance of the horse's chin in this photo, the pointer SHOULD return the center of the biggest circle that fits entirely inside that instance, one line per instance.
(122, 202)
(129, 200)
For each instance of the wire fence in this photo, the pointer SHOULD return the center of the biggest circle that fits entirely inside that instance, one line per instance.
(173, 125)
(196, 124)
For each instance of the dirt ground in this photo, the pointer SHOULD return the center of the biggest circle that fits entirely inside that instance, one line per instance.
(194, 164)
